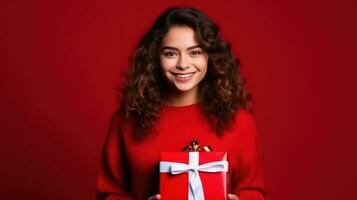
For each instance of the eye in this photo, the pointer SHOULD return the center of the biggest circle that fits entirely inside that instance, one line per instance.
(170, 54)
(196, 53)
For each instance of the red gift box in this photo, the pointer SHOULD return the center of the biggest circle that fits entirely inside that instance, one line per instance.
(193, 175)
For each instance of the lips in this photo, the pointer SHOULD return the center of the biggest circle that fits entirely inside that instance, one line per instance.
(183, 76)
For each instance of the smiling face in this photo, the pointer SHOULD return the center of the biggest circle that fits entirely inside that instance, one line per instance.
(183, 63)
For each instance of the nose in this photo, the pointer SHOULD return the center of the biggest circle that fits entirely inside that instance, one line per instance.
(182, 63)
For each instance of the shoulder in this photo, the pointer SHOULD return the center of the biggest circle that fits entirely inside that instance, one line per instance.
(117, 120)
(247, 133)
(117, 126)
(243, 124)
(243, 113)
(243, 116)
(116, 117)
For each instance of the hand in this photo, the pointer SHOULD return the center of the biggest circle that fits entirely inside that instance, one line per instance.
(158, 196)
(155, 197)
(232, 197)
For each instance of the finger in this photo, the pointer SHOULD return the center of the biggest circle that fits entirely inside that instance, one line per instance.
(232, 197)
(155, 197)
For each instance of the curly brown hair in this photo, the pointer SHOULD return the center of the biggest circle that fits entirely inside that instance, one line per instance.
(221, 93)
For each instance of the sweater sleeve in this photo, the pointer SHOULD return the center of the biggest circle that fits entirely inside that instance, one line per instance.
(113, 174)
(249, 175)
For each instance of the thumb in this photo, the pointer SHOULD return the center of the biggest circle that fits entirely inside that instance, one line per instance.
(155, 197)
(232, 197)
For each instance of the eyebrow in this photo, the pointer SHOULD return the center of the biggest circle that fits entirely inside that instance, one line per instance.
(174, 48)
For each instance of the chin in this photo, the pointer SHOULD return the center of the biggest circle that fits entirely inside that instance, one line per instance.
(184, 88)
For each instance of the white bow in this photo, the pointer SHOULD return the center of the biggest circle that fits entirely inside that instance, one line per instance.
(193, 168)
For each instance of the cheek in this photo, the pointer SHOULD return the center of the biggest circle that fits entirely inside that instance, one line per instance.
(166, 64)
(202, 63)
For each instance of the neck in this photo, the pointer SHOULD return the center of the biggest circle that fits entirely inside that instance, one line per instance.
(182, 98)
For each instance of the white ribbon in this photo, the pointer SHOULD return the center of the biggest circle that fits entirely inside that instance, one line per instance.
(195, 185)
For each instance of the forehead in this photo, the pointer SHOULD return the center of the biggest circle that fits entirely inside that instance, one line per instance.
(180, 37)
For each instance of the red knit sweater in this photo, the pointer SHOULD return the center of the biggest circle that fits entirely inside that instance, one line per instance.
(130, 169)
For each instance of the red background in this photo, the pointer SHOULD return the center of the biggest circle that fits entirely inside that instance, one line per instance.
(61, 60)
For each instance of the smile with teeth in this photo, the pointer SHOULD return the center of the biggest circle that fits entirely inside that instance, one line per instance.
(183, 76)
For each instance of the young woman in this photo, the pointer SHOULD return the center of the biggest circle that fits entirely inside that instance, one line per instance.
(183, 84)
